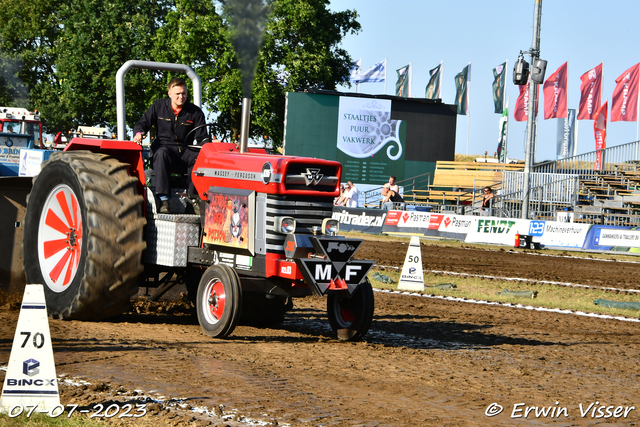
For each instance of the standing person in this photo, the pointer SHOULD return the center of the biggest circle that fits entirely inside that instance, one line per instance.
(173, 118)
(392, 184)
(351, 195)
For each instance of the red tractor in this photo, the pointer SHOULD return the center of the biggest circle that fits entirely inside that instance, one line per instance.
(265, 235)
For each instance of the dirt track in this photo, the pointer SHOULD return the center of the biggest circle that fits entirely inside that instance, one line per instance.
(425, 362)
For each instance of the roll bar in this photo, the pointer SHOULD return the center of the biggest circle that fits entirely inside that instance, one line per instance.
(150, 65)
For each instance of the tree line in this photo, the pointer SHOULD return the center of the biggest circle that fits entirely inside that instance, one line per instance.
(61, 57)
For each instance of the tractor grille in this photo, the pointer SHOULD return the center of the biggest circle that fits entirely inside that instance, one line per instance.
(307, 211)
(311, 177)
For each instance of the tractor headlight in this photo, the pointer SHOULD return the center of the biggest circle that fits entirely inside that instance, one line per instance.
(330, 226)
(285, 225)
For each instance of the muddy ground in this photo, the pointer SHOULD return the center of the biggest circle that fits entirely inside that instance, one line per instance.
(425, 362)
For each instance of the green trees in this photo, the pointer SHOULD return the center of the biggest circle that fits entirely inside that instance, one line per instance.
(70, 52)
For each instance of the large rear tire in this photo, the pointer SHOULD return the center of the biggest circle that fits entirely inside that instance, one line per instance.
(350, 317)
(219, 301)
(83, 235)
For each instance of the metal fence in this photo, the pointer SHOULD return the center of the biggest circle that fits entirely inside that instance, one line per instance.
(612, 158)
(555, 188)
(373, 197)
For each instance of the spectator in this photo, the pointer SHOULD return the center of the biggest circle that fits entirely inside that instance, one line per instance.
(486, 199)
(390, 198)
(351, 195)
(392, 184)
(339, 201)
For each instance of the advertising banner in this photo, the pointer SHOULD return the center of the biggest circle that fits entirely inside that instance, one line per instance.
(366, 131)
(456, 226)
(498, 231)
(426, 223)
(562, 234)
(355, 219)
(617, 237)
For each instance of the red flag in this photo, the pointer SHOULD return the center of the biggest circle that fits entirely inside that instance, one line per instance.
(555, 94)
(590, 90)
(624, 106)
(521, 109)
(600, 132)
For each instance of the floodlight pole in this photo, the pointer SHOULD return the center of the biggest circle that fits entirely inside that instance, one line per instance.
(533, 110)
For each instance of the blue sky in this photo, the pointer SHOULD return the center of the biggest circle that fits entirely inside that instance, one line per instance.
(487, 33)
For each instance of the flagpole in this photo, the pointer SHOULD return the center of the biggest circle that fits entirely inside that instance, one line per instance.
(468, 102)
(385, 76)
(506, 75)
(575, 129)
(530, 152)
(637, 121)
(506, 137)
(575, 146)
(410, 79)
(440, 80)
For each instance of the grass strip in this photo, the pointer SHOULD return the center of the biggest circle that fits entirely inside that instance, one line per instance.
(549, 295)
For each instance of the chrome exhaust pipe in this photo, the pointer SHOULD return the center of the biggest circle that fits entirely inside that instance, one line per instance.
(244, 125)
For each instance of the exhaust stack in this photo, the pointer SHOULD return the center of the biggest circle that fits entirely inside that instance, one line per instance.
(244, 125)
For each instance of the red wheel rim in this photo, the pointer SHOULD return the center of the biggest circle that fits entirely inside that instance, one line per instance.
(347, 315)
(60, 238)
(214, 301)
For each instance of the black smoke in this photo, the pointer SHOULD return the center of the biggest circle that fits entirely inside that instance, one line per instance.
(247, 23)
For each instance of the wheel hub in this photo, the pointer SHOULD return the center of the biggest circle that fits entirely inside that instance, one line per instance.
(73, 238)
(215, 301)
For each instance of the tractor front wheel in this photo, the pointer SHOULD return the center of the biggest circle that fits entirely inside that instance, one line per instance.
(350, 316)
(219, 301)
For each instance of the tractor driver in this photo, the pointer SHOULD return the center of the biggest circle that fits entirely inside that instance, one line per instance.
(173, 118)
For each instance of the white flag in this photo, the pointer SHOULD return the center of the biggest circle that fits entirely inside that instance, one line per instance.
(373, 74)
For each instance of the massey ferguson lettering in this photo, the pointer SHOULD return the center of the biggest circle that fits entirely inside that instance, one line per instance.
(494, 226)
(364, 220)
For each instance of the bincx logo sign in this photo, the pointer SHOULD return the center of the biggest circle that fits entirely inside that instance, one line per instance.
(31, 367)
(312, 177)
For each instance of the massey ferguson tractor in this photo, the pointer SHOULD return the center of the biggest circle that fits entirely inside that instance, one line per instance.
(264, 235)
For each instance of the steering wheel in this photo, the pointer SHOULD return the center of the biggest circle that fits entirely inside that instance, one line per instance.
(212, 127)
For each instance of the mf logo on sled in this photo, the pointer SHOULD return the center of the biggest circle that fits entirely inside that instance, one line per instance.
(312, 177)
(333, 268)
(326, 272)
(31, 367)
